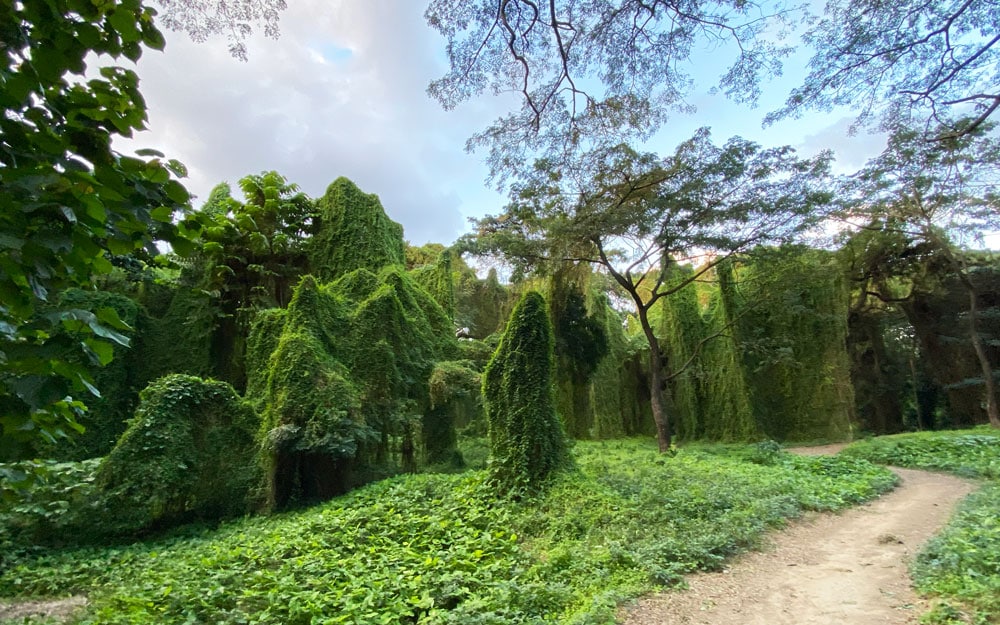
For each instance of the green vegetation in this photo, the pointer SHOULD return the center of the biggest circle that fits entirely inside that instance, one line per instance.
(961, 565)
(442, 549)
(527, 443)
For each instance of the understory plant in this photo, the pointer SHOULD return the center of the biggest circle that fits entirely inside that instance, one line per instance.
(442, 549)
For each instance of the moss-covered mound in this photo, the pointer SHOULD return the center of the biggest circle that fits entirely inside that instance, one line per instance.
(189, 452)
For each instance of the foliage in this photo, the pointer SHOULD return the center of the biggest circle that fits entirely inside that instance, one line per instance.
(593, 72)
(482, 305)
(902, 63)
(633, 214)
(793, 340)
(581, 342)
(930, 197)
(189, 452)
(41, 501)
(257, 249)
(968, 453)
(440, 549)
(452, 384)
(959, 565)
(527, 444)
(237, 19)
(107, 416)
(352, 232)
(436, 279)
(68, 200)
(338, 375)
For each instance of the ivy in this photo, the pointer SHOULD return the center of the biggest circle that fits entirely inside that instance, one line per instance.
(189, 452)
(527, 444)
(352, 232)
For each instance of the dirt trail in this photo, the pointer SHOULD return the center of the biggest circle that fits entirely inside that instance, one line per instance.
(837, 569)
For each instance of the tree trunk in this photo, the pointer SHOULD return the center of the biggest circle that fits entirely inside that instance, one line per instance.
(984, 362)
(656, 390)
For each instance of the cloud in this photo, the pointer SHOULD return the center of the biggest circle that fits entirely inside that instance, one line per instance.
(340, 93)
(853, 150)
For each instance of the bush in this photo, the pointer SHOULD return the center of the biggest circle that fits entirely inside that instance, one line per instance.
(188, 453)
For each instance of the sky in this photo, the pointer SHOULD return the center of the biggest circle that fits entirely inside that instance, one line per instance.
(342, 92)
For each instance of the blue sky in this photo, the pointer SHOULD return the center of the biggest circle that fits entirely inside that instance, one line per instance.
(342, 93)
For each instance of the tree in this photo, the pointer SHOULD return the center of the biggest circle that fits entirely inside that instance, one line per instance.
(237, 19)
(593, 72)
(527, 443)
(904, 63)
(69, 203)
(933, 196)
(634, 215)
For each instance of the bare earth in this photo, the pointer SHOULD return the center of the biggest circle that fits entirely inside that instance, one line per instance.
(837, 569)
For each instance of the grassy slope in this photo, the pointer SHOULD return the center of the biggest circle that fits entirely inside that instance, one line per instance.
(438, 549)
(961, 565)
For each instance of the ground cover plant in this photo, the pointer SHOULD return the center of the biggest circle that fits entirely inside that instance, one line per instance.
(961, 565)
(436, 548)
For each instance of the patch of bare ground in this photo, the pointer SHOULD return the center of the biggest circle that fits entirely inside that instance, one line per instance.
(849, 568)
(60, 610)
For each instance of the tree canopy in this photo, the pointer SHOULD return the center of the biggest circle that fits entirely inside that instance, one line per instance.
(69, 203)
(634, 215)
(594, 72)
(906, 63)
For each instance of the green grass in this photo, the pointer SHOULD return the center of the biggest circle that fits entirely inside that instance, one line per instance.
(440, 549)
(961, 565)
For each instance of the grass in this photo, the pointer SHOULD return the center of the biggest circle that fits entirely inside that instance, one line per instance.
(440, 549)
(961, 565)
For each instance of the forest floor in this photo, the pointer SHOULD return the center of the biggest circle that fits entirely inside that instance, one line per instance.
(849, 568)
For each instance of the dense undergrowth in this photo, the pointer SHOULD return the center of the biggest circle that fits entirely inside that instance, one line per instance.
(961, 565)
(437, 548)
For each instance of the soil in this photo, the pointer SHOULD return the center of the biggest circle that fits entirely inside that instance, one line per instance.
(849, 568)
(59, 610)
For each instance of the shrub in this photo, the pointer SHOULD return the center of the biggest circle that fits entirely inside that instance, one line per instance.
(189, 452)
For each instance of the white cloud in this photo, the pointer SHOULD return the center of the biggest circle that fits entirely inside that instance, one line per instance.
(340, 93)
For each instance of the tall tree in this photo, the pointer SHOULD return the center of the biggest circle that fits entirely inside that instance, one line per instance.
(904, 63)
(68, 201)
(936, 196)
(632, 215)
(594, 71)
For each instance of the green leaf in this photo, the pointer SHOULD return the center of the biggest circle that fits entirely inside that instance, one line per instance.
(163, 214)
(103, 352)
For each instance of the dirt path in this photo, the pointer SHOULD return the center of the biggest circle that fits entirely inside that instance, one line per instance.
(837, 569)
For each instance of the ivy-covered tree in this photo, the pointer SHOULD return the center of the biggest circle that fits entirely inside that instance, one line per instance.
(527, 444)
(69, 201)
(352, 232)
(632, 215)
(933, 197)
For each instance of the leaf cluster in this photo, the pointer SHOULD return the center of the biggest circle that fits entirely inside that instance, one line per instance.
(68, 200)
